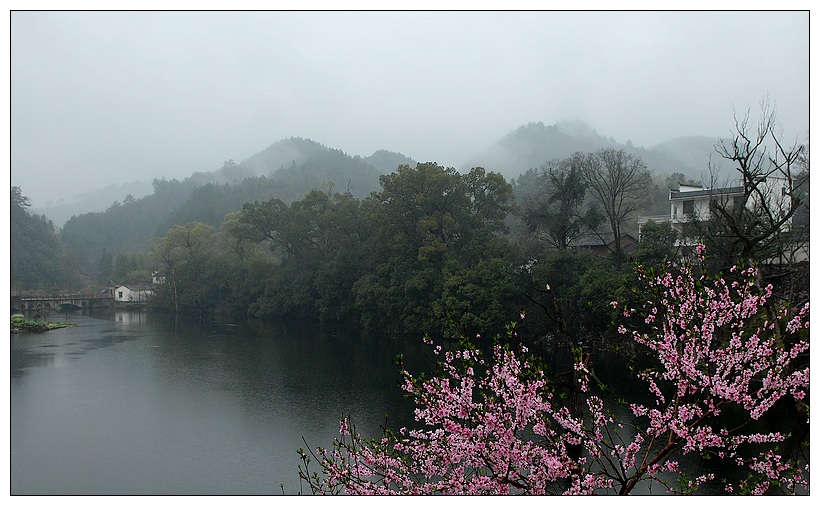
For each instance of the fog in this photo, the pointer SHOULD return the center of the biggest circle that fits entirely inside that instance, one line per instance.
(110, 97)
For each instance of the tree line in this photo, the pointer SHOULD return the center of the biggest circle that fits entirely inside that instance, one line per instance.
(432, 248)
(715, 338)
(719, 352)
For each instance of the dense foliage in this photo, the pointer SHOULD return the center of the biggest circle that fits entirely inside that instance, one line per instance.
(286, 170)
(125, 227)
(300, 231)
(430, 250)
(38, 258)
(427, 250)
(499, 425)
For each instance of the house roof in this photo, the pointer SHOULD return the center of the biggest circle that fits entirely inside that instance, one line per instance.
(729, 190)
(135, 288)
(589, 240)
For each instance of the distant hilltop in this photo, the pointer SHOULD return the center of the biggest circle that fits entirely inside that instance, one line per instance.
(290, 160)
(531, 145)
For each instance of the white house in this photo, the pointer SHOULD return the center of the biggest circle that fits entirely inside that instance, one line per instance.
(688, 202)
(124, 294)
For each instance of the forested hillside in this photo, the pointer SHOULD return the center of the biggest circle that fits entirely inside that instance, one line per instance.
(290, 169)
(92, 201)
(426, 251)
(38, 258)
(125, 227)
(430, 250)
(286, 170)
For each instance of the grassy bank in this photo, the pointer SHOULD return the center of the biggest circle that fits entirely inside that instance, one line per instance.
(20, 325)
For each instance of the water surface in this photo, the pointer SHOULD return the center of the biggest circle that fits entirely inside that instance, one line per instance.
(125, 403)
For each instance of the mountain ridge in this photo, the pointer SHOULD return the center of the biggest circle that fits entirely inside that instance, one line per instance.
(526, 147)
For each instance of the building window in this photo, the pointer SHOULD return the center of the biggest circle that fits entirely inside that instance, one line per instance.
(688, 207)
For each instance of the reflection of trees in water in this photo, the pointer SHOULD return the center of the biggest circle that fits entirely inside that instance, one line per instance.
(311, 372)
(46, 349)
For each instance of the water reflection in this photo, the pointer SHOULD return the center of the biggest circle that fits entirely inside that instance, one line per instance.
(129, 404)
(144, 404)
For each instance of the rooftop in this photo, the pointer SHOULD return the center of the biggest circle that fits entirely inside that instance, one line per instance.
(730, 190)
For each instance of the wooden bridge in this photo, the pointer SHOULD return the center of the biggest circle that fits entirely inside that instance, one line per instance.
(68, 302)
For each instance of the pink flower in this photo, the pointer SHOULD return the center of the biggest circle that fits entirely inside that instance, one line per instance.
(492, 425)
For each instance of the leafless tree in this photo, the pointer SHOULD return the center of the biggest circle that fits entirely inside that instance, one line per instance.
(764, 219)
(619, 182)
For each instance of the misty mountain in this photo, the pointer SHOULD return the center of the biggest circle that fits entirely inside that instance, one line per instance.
(694, 152)
(531, 145)
(297, 164)
(287, 170)
(387, 162)
(290, 168)
(300, 165)
(95, 200)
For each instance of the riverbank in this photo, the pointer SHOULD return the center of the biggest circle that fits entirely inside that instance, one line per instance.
(19, 325)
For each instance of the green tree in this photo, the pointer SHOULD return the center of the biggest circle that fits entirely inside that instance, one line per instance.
(121, 268)
(491, 197)
(475, 301)
(194, 269)
(427, 221)
(247, 266)
(268, 222)
(318, 244)
(559, 210)
(658, 243)
(105, 267)
(39, 259)
(18, 200)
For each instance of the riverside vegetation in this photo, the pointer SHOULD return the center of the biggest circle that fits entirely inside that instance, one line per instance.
(435, 251)
(19, 324)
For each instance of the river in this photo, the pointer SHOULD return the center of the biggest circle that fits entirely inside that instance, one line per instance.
(129, 403)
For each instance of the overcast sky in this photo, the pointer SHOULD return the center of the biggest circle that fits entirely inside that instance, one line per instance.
(110, 97)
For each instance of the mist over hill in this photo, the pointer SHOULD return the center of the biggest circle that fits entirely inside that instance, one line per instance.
(694, 152)
(531, 145)
(90, 201)
(126, 218)
(286, 170)
(388, 161)
(299, 164)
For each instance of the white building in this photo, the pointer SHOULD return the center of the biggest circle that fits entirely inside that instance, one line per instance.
(689, 202)
(157, 278)
(124, 294)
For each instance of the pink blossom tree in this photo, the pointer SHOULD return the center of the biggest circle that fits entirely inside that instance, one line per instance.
(497, 425)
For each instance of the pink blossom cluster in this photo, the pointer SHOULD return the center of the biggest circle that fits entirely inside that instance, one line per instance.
(495, 426)
(717, 346)
(489, 428)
